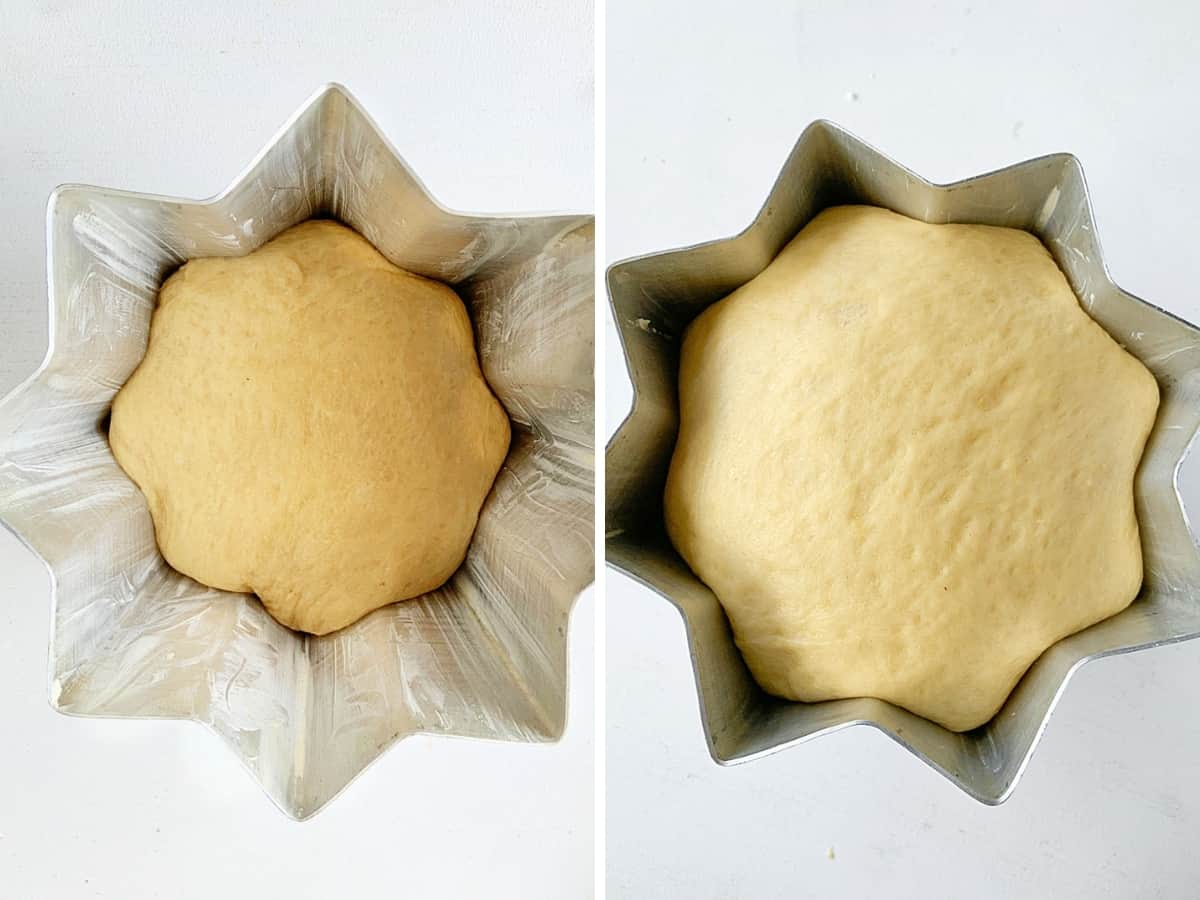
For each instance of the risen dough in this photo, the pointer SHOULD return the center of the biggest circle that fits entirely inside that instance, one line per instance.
(310, 424)
(905, 463)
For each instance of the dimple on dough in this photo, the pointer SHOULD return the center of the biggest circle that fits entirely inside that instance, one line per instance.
(905, 463)
(310, 424)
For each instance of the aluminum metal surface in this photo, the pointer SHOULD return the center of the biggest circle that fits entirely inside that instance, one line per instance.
(482, 657)
(654, 297)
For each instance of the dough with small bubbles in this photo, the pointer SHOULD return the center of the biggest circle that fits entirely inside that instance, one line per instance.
(905, 463)
(310, 424)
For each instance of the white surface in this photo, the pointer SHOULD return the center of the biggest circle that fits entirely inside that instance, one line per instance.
(702, 110)
(493, 108)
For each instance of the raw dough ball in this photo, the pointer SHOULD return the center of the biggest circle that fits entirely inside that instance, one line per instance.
(905, 463)
(310, 423)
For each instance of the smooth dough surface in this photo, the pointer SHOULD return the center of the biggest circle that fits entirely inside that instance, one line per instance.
(310, 424)
(905, 463)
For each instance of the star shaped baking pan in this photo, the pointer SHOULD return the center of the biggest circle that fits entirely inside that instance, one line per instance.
(484, 656)
(654, 298)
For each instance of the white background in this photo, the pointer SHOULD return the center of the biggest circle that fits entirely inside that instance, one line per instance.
(703, 107)
(494, 111)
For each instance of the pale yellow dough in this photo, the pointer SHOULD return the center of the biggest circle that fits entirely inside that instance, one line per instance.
(310, 424)
(905, 463)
